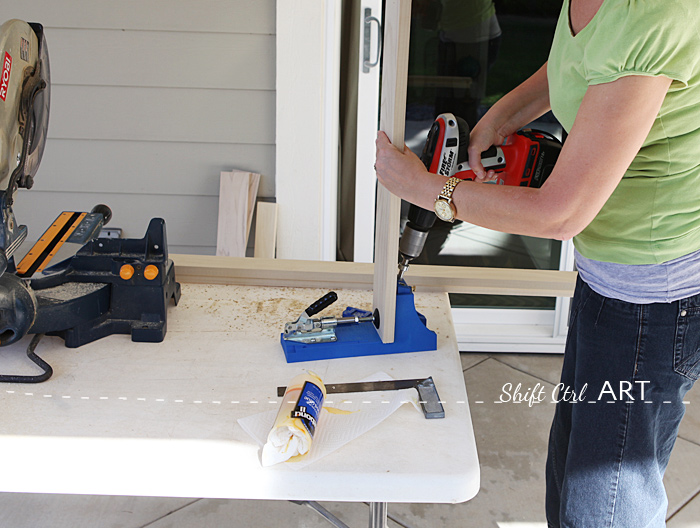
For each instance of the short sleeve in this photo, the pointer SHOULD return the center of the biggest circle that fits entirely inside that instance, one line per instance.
(644, 37)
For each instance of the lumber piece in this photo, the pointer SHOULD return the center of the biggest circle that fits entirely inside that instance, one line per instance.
(253, 184)
(397, 22)
(206, 269)
(265, 230)
(237, 193)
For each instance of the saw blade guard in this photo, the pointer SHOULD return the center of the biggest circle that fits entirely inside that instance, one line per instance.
(38, 118)
(24, 103)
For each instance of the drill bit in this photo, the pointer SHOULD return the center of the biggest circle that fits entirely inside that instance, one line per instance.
(403, 266)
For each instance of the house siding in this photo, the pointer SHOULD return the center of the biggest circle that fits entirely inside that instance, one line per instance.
(150, 101)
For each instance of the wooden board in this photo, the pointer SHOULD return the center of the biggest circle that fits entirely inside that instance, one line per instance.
(397, 21)
(322, 274)
(236, 202)
(265, 230)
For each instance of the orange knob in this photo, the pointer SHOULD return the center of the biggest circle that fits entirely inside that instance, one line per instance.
(126, 271)
(151, 272)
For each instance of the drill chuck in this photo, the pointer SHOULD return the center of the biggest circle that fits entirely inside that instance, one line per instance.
(410, 246)
(412, 242)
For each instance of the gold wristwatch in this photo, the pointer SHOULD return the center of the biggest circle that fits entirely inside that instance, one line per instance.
(444, 208)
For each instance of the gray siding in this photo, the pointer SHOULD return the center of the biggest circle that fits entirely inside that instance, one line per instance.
(151, 100)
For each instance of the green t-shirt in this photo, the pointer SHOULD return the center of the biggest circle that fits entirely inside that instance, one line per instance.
(653, 215)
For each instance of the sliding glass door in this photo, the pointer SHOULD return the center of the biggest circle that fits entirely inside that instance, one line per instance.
(464, 56)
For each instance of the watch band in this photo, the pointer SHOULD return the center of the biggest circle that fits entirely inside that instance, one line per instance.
(444, 207)
(449, 188)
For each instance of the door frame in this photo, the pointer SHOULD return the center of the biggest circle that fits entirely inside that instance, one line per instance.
(367, 126)
(307, 147)
(307, 120)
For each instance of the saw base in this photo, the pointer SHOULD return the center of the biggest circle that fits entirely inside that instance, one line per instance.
(411, 335)
(88, 296)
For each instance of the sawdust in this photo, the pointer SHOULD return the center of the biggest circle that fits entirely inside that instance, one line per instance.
(70, 290)
(263, 311)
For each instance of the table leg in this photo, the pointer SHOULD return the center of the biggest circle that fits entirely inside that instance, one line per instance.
(323, 512)
(377, 515)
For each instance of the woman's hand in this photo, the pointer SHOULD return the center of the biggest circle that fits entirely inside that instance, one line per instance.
(403, 173)
(482, 138)
(514, 110)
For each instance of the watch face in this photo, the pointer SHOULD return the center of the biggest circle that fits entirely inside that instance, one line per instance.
(444, 211)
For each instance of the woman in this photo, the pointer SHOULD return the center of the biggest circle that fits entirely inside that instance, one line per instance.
(623, 78)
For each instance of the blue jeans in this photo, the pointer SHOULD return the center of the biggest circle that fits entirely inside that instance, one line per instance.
(627, 368)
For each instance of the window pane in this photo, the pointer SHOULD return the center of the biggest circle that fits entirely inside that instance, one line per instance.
(464, 56)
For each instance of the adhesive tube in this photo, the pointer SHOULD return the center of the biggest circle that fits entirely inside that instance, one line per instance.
(291, 436)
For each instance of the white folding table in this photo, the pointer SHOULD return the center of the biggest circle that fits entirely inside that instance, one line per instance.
(124, 418)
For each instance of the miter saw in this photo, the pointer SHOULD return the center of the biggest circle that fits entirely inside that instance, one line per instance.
(100, 286)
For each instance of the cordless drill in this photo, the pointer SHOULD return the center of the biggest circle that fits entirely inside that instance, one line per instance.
(525, 158)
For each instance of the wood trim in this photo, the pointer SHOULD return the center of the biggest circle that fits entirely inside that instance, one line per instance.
(397, 26)
(205, 269)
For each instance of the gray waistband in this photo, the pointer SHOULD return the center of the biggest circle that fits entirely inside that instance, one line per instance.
(643, 284)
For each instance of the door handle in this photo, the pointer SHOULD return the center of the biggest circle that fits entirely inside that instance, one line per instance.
(367, 40)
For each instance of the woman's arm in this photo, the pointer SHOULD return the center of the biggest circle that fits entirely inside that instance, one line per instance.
(612, 123)
(514, 110)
